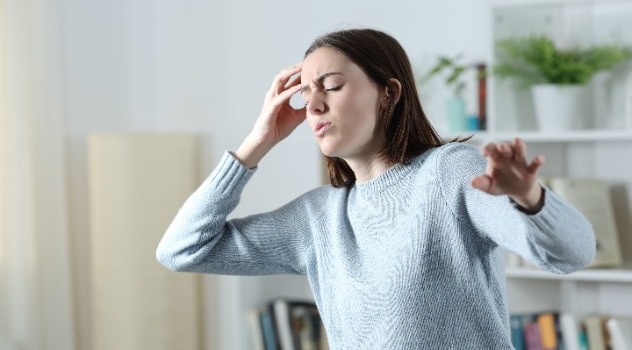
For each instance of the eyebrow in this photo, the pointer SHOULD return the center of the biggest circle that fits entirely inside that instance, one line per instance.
(320, 79)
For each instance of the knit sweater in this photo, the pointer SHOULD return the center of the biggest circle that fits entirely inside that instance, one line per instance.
(412, 259)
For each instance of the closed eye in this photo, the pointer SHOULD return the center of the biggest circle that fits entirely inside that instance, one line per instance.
(335, 88)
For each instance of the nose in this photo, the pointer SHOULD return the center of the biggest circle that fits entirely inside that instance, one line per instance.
(316, 104)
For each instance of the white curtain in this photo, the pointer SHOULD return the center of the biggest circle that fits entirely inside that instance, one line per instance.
(35, 288)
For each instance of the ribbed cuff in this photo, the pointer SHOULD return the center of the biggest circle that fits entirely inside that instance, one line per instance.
(531, 212)
(230, 176)
(556, 209)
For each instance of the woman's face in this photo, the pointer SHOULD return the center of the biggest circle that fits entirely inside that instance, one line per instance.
(342, 106)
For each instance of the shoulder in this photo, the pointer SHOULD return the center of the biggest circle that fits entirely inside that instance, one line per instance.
(458, 158)
(453, 157)
(457, 152)
(454, 165)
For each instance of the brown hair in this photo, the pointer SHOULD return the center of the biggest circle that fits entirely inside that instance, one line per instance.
(407, 129)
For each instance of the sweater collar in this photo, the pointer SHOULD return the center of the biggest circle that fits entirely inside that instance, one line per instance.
(390, 176)
(384, 180)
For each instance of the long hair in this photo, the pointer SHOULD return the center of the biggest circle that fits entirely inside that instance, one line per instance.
(405, 125)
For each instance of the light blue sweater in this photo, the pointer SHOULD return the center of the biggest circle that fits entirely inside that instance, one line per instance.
(412, 259)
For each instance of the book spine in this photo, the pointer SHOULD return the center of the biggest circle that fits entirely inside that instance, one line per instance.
(254, 317)
(570, 331)
(548, 333)
(269, 335)
(481, 69)
(532, 336)
(274, 332)
(517, 332)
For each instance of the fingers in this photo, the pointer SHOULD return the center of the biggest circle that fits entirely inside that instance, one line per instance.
(293, 87)
(536, 164)
(287, 94)
(295, 80)
(285, 84)
(516, 150)
(498, 150)
(506, 150)
(482, 182)
(489, 150)
(520, 151)
(280, 82)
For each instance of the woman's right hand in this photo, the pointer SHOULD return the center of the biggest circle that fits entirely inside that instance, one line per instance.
(277, 119)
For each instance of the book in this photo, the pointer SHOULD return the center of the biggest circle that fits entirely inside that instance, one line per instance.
(307, 327)
(281, 311)
(553, 330)
(525, 332)
(570, 331)
(595, 332)
(583, 338)
(517, 331)
(270, 339)
(258, 340)
(593, 199)
(548, 330)
(481, 69)
(620, 330)
(298, 325)
(533, 341)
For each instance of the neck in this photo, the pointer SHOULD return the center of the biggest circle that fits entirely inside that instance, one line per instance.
(366, 170)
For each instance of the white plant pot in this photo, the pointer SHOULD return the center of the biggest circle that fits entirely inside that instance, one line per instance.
(561, 107)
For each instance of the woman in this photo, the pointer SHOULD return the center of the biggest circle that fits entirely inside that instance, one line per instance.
(405, 249)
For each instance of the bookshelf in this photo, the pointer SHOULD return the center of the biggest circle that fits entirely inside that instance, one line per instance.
(571, 136)
(596, 152)
(602, 151)
(619, 275)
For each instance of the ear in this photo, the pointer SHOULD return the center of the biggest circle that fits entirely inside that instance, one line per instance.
(392, 91)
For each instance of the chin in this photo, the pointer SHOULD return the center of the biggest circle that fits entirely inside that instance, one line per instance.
(330, 153)
(327, 154)
(327, 150)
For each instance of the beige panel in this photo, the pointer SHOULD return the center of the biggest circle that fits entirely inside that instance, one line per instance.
(137, 182)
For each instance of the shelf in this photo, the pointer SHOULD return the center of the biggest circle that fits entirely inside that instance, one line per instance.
(513, 3)
(548, 136)
(588, 275)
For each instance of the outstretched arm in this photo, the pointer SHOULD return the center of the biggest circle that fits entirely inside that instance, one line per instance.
(551, 234)
(509, 172)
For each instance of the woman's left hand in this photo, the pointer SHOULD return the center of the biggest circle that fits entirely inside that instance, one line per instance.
(508, 172)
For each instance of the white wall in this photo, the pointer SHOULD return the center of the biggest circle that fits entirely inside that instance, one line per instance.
(203, 66)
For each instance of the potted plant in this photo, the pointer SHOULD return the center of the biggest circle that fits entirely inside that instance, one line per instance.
(558, 77)
(453, 72)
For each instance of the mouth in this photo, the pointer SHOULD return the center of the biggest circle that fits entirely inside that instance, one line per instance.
(321, 128)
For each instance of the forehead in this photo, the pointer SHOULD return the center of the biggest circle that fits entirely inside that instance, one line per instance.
(326, 60)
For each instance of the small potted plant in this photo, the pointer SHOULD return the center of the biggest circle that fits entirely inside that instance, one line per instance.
(558, 77)
(453, 73)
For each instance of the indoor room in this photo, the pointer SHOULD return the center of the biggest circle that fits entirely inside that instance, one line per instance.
(117, 116)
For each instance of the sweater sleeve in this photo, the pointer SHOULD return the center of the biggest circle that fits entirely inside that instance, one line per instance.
(558, 238)
(200, 239)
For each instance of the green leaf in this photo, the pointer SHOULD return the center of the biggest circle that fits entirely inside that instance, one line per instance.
(452, 70)
(536, 59)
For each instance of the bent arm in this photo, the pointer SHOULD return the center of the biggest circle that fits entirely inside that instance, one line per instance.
(200, 239)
